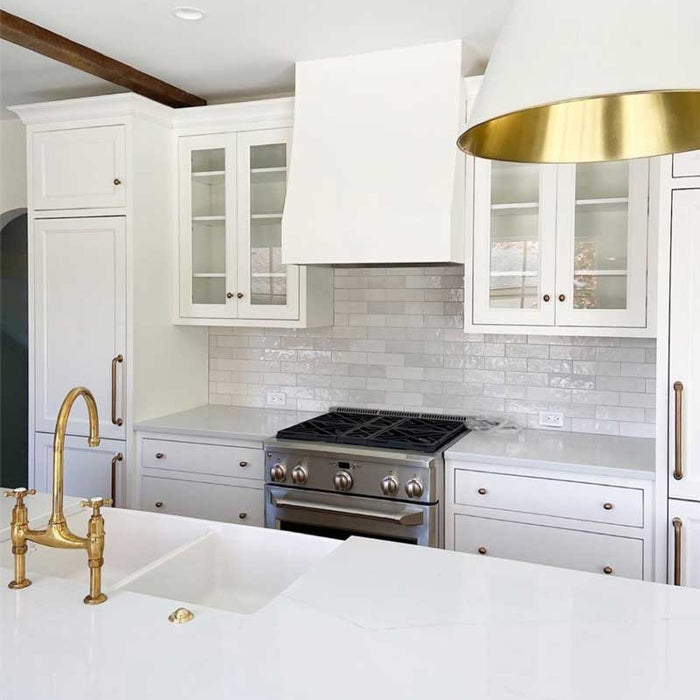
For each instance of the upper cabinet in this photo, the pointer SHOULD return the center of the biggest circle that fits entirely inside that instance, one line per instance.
(559, 249)
(82, 168)
(231, 202)
(686, 164)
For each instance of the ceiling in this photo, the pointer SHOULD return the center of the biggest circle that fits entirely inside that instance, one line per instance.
(242, 48)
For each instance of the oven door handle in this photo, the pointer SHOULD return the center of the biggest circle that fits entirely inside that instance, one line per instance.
(414, 517)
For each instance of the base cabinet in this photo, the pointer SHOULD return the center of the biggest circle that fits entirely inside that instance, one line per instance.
(684, 543)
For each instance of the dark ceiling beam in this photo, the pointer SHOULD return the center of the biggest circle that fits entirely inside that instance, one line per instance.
(35, 38)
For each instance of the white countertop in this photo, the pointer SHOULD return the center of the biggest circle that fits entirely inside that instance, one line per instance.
(39, 507)
(225, 422)
(605, 455)
(371, 620)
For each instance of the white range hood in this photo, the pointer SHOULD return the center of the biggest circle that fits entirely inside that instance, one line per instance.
(375, 175)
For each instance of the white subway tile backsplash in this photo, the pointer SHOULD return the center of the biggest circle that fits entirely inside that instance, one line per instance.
(398, 342)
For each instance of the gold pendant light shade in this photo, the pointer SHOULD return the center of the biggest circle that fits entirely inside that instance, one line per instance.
(573, 82)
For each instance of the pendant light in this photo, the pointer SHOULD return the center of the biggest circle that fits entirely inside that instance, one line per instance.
(583, 81)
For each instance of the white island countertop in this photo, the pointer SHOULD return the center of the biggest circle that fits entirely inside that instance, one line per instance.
(225, 422)
(604, 455)
(371, 620)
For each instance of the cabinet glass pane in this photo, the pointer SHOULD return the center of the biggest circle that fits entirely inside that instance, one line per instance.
(600, 236)
(268, 187)
(514, 246)
(208, 197)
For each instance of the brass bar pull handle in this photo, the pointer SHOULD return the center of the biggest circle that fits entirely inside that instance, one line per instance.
(678, 467)
(115, 361)
(117, 458)
(677, 550)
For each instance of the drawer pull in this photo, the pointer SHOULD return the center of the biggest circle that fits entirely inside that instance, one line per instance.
(243, 516)
(481, 492)
(677, 551)
(482, 550)
(159, 504)
(159, 455)
(243, 464)
(117, 181)
(119, 457)
(608, 506)
(608, 570)
(678, 466)
(115, 361)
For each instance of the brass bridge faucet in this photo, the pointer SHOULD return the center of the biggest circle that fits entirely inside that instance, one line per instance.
(57, 534)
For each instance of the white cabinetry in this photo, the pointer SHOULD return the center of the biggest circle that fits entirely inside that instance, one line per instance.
(231, 201)
(684, 543)
(79, 168)
(686, 164)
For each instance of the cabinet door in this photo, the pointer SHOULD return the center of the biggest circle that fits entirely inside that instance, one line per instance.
(266, 287)
(208, 255)
(686, 164)
(602, 244)
(684, 543)
(684, 349)
(88, 471)
(514, 224)
(79, 289)
(79, 168)
(233, 504)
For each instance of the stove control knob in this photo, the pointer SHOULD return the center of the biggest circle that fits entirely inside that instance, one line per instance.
(390, 485)
(300, 474)
(414, 488)
(278, 472)
(342, 481)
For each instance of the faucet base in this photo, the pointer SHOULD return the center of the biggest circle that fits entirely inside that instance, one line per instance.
(16, 585)
(89, 600)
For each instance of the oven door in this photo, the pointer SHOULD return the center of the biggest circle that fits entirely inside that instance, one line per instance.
(342, 515)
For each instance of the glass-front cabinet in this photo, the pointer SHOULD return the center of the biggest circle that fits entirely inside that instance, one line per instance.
(562, 246)
(231, 201)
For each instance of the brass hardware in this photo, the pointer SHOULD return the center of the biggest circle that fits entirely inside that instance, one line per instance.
(240, 295)
(678, 466)
(481, 492)
(180, 616)
(243, 516)
(677, 550)
(57, 533)
(562, 297)
(115, 361)
(243, 464)
(159, 455)
(546, 298)
(608, 506)
(606, 127)
(117, 181)
(117, 458)
(607, 570)
(20, 519)
(159, 504)
(482, 550)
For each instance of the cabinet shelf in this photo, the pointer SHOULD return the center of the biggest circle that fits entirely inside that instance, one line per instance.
(208, 274)
(269, 274)
(514, 206)
(515, 273)
(617, 201)
(600, 273)
(257, 217)
(280, 169)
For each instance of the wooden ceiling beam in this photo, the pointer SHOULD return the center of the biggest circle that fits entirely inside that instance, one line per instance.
(35, 38)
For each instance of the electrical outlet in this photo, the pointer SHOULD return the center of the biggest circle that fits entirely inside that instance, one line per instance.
(276, 399)
(552, 420)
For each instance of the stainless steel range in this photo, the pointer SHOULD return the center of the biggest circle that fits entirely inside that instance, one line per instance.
(357, 471)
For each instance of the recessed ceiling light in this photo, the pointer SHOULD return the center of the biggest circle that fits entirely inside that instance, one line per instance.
(190, 14)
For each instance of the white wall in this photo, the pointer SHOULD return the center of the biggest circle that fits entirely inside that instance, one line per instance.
(13, 165)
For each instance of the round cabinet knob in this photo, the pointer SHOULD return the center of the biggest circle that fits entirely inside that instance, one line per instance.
(562, 297)
(300, 474)
(482, 550)
(608, 570)
(342, 481)
(608, 506)
(278, 472)
(481, 491)
(159, 455)
(240, 295)
(243, 516)
(159, 504)
(414, 488)
(117, 181)
(229, 295)
(389, 485)
(243, 464)
(546, 298)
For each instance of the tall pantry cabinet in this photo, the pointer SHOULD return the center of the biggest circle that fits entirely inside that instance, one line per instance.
(101, 255)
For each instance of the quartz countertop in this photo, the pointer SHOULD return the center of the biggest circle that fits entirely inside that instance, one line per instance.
(371, 620)
(38, 507)
(225, 422)
(604, 455)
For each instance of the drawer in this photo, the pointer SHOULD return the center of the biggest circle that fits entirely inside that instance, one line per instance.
(231, 504)
(686, 164)
(552, 546)
(241, 462)
(614, 505)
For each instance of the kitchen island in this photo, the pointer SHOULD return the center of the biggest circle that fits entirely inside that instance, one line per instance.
(362, 619)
